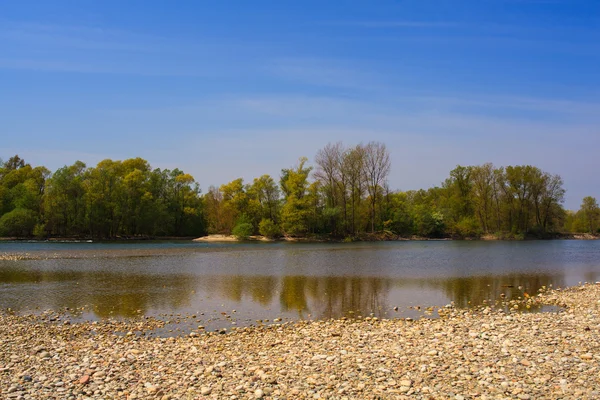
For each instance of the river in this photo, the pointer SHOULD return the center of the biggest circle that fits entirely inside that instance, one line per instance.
(238, 284)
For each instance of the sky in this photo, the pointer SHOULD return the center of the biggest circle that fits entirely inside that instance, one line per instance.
(229, 89)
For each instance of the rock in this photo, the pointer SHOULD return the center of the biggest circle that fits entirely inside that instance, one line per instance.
(99, 374)
(406, 382)
(205, 391)
(463, 354)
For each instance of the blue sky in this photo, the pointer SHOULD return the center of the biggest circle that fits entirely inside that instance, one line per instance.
(233, 89)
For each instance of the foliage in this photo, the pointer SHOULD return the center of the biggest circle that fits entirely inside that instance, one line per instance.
(296, 212)
(243, 230)
(18, 222)
(115, 198)
(39, 231)
(345, 196)
(269, 229)
(467, 227)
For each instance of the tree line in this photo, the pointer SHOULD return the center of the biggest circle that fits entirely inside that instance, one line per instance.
(344, 195)
(115, 198)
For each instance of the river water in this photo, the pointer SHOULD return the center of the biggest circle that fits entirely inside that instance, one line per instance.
(263, 281)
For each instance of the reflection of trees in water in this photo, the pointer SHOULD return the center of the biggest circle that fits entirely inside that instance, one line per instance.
(323, 297)
(591, 276)
(476, 289)
(260, 289)
(122, 294)
(332, 297)
(126, 293)
(111, 294)
(293, 294)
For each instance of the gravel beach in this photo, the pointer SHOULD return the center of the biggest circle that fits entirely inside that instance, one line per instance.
(464, 354)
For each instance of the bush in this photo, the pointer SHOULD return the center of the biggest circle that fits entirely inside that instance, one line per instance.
(18, 222)
(39, 231)
(243, 230)
(268, 228)
(467, 227)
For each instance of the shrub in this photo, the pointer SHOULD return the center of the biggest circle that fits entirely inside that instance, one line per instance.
(468, 227)
(243, 230)
(39, 231)
(18, 222)
(268, 228)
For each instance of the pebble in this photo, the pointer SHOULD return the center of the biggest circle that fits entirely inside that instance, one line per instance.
(205, 391)
(464, 354)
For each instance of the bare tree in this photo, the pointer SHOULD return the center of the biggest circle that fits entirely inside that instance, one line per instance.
(327, 160)
(353, 165)
(483, 186)
(331, 176)
(376, 168)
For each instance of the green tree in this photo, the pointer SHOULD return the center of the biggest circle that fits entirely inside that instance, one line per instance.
(19, 222)
(590, 211)
(296, 211)
(264, 199)
(234, 204)
(243, 230)
(269, 229)
(64, 207)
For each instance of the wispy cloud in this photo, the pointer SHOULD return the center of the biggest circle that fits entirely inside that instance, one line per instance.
(83, 49)
(393, 24)
(89, 67)
(325, 72)
(80, 37)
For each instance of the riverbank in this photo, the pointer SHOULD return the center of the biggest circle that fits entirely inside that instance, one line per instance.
(366, 237)
(382, 237)
(483, 353)
(259, 238)
(90, 239)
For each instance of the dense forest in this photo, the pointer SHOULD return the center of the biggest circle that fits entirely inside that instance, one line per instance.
(344, 195)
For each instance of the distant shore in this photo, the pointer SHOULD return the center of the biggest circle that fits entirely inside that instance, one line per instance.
(377, 237)
(87, 239)
(386, 237)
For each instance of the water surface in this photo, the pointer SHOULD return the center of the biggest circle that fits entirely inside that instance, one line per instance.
(263, 281)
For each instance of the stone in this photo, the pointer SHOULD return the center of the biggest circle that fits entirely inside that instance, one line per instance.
(406, 382)
(205, 391)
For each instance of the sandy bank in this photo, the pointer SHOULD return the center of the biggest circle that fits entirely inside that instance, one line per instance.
(231, 238)
(480, 354)
(217, 238)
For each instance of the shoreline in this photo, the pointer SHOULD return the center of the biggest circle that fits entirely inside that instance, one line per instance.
(386, 238)
(215, 238)
(465, 354)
